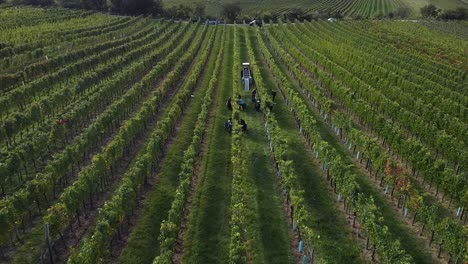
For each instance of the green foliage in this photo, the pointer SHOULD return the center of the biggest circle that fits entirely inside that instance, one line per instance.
(34, 2)
(137, 7)
(402, 12)
(54, 171)
(170, 227)
(361, 78)
(198, 9)
(123, 199)
(460, 13)
(231, 10)
(429, 11)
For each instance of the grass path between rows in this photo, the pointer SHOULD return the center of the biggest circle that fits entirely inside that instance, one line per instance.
(207, 238)
(271, 219)
(143, 244)
(337, 245)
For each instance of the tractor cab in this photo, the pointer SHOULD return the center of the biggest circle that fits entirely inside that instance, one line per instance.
(246, 74)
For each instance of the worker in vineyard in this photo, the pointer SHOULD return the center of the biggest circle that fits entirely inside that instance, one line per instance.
(242, 104)
(273, 95)
(254, 95)
(228, 125)
(229, 104)
(243, 125)
(257, 105)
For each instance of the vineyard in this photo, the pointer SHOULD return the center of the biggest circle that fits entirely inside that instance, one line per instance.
(114, 147)
(365, 8)
(349, 8)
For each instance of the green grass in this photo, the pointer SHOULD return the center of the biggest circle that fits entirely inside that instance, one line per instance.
(143, 245)
(273, 240)
(337, 245)
(207, 239)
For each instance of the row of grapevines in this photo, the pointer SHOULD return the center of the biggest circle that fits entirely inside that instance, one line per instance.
(388, 67)
(455, 182)
(280, 149)
(237, 246)
(32, 148)
(43, 51)
(14, 208)
(285, 167)
(454, 27)
(27, 39)
(386, 77)
(388, 249)
(17, 120)
(447, 228)
(90, 180)
(20, 96)
(13, 17)
(170, 227)
(120, 205)
(443, 228)
(437, 64)
(330, 91)
(413, 64)
(412, 150)
(94, 30)
(244, 204)
(433, 45)
(28, 73)
(90, 27)
(21, 120)
(42, 110)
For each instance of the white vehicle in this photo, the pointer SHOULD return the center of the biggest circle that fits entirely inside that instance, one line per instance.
(246, 75)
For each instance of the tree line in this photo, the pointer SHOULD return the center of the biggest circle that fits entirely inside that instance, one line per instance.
(154, 8)
(431, 11)
(231, 10)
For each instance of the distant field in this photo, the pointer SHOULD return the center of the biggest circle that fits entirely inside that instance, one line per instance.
(365, 8)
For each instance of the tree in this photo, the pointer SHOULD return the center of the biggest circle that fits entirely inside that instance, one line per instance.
(70, 3)
(402, 12)
(379, 15)
(429, 11)
(100, 5)
(460, 13)
(181, 11)
(136, 7)
(198, 9)
(268, 16)
(337, 14)
(34, 2)
(231, 10)
(294, 13)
